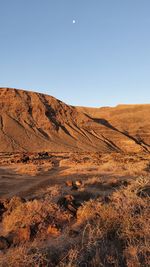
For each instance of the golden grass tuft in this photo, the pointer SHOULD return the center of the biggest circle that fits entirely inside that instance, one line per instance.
(34, 213)
(114, 233)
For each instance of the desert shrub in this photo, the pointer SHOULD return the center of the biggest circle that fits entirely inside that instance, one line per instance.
(33, 213)
(117, 233)
(20, 257)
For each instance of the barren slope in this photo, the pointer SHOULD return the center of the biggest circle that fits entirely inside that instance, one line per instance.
(37, 122)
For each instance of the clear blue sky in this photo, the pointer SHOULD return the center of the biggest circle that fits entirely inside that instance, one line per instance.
(102, 59)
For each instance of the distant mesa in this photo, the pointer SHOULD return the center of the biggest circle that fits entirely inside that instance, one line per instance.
(36, 122)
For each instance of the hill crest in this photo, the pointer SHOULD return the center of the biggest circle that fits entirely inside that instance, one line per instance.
(32, 121)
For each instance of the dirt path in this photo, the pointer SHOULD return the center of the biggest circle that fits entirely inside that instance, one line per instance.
(28, 179)
(13, 183)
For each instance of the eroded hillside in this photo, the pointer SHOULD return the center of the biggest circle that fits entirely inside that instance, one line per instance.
(37, 122)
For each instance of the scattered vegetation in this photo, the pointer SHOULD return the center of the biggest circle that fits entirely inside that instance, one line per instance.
(112, 231)
(98, 217)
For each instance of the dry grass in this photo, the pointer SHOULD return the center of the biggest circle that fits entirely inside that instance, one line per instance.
(108, 234)
(34, 213)
(115, 234)
(22, 256)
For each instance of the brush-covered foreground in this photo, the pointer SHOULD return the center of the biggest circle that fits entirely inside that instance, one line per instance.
(100, 220)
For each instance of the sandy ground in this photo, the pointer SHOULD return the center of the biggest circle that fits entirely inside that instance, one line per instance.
(26, 179)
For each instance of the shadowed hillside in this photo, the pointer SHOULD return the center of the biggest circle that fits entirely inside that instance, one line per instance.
(37, 122)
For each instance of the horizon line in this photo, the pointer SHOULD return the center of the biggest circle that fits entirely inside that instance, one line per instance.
(105, 106)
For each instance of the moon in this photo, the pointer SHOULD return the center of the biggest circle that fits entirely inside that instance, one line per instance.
(73, 21)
